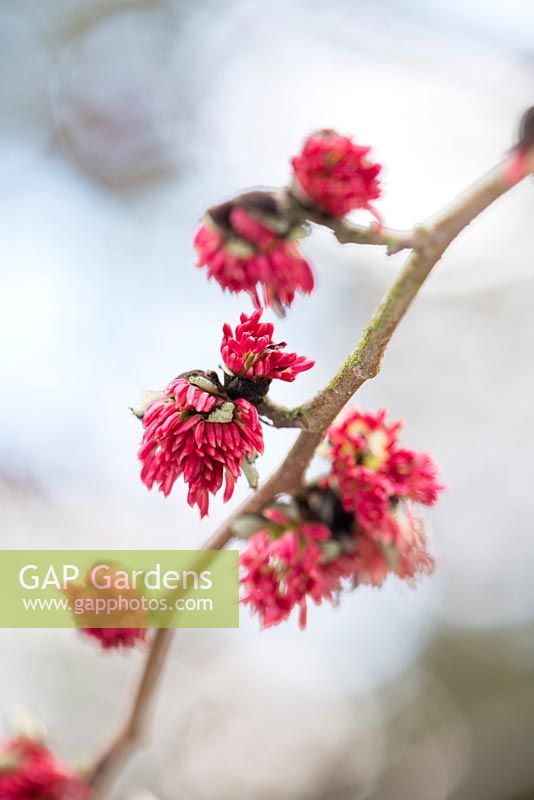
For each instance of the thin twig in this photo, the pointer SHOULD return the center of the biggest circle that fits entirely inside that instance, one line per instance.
(280, 416)
(347, 232)
(136, 724)
(315, 416)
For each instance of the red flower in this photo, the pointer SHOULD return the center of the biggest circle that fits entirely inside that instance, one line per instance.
(28, 771)
(252, 247)
(250, 352)
(367, 495)
(281, 568)
(371, 560)
(373, 472)
(334, 174)
(291, 559)
(361, 445)
(199, 435)
(356, 526)
(363, 438)
(414, 475)
(364, 563)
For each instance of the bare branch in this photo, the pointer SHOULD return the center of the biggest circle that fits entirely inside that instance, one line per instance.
(348, 233)
(280, 416)
(132, 733)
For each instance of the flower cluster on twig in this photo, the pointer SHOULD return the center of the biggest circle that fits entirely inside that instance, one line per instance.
(355, 526)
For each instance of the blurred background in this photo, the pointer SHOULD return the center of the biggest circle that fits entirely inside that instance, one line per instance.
(119, 123)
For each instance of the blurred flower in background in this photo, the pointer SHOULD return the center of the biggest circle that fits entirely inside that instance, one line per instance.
(121, 123)
(121, 111)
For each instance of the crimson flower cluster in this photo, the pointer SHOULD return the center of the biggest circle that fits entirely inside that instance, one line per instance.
(283, 565)
(250, 244)
(250, 352)
(355, 526)
(335, 175)
(207, 432)
(370, 468)
(28, 771)
(201, 436)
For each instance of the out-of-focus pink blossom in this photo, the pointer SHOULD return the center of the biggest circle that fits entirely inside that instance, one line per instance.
(282, 570)
(373, 472)
(29, 771)
(243, 254)
(335, 174)
(116, 638)
(414, 475)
